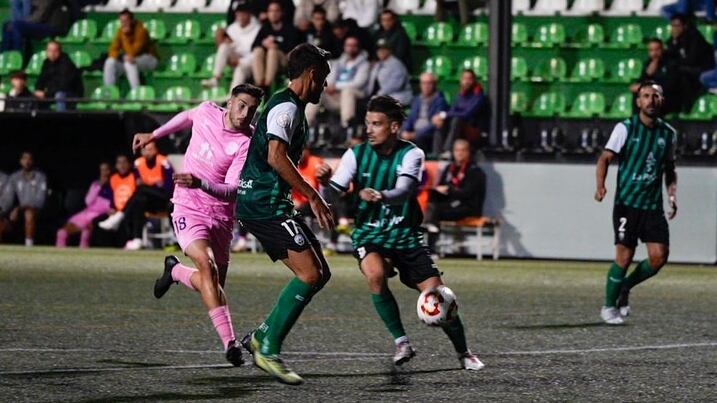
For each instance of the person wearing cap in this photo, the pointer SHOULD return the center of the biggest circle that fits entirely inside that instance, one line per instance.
(393, 32)
(389, 75)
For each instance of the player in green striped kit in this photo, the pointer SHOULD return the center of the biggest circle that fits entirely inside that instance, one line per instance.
(645, 147)
(385, 172)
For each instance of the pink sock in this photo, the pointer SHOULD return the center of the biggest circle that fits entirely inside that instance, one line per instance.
(222, 321)
(183, 274)
(61, 241)
(85, 238)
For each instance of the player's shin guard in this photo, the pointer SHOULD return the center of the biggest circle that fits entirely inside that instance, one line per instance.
(222, 321)
(387, 309)
(615, 278)
(292, 300)
(642, 272)
(455, 332)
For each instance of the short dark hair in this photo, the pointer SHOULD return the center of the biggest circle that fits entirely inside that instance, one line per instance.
(389, 106)
(655, 40)
(277, 2)
(389, 11)
(471, 72)
(681, 17)
(249, 89)
(127, 13)
(648, 83)
(304, 57)
(18, 74)
(318, 10)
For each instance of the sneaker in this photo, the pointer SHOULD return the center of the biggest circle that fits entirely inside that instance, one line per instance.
(404, 353)
(233, 354)
(162, 284)
(133, 244)
(250, 343)
(623, 304)
(275, 366)
(210, 82)
(112, 222)
(470, 362)
(611, 315)
(240, 245)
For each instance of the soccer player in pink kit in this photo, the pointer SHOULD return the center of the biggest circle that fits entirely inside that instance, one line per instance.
(204, 199)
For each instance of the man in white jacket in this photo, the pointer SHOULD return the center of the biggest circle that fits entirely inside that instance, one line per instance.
(234, 47)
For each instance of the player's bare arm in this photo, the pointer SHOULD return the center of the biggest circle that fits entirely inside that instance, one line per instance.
(140, 140)
(601, 173)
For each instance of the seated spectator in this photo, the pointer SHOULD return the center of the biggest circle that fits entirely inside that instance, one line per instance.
(133, 44)
(345, 84)
(688, 8)
(346, 28)
(389, 75)
(460, 192)
(709, 77)
(461, 8)
(59, 78)
(320, 33)
(154, 189)
(466, 117)
(19, 98)
(656, 69)
(98, 201)
(364, 12)
(234, 47)
(419, 127)
(272, 45)
(23, 198)
(305, 9)
(258, 9)
(688, 55)
(47, 18)
(395, 35)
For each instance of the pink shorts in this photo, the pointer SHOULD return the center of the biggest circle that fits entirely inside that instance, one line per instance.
(190, 226)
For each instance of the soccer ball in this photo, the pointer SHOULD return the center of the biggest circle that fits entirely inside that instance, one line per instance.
(437, 306)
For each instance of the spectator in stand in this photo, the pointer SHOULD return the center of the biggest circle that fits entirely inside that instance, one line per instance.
(234, 47)
(152, 195)
(395, 35)
(271, 46)
(466, 117)
(19, 98)
(656, 69)
(460, 192)
(389, 75)
(689, 7)
(688, 55)
(258, 8)
(345, 84)
(98, 201)
(320, 33)
(59, 78)
(709, 77)
(305, 10)
(24, 196)
(462, 8)
(364, 12)
(47, 18)
(137, 49)
(345, 28)
(419, 127)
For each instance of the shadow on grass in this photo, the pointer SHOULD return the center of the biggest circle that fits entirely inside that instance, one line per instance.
(558, 326)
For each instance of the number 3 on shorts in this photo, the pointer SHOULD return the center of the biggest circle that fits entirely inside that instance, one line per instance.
(180, 224)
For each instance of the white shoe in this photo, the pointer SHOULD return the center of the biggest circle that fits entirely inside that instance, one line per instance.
(611, 316)
(470, 362)
(625, 311)
(133, 244)
(404, 353)
(112, 222)
(210, 82)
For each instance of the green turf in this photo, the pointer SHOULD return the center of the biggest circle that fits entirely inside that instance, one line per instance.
(84, 326)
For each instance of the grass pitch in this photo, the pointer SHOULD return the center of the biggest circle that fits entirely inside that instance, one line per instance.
(83, 326)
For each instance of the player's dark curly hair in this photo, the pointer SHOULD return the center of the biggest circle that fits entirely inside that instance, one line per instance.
(249, 89)
(389, 106)
(650, 83)
(304, 57)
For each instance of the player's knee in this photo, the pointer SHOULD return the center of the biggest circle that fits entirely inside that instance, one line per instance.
(657, 261)
(311, 277)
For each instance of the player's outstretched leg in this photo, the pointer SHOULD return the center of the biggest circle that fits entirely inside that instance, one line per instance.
(657, 257)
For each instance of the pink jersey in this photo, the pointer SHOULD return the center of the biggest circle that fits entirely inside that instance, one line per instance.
(216, 155)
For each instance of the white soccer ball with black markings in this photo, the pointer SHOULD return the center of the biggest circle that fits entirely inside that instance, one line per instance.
(437, 306)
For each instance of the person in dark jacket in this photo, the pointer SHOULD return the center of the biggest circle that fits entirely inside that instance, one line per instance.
(47, 18)
(19, 98)
(259, 9)
(392, 32)
(273, 43)
(656, 69)
(418, 127)
(59, 78)
(320, 33)
(345, 28)
(459, 194)
(709, 77)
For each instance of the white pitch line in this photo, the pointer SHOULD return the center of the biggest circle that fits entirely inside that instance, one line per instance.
(608, 349)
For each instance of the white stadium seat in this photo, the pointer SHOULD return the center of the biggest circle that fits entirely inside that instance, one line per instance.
(586, 7)
(548, 7)
(217, 6)
(429, 8)
(655, 7)
(187, 6)
(153, 6)
(114, 6)
(521, 6)
(403, 6)
(624, 8)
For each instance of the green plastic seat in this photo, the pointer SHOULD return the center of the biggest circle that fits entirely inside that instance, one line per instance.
(626, 36)
(519, 34)
(136, 96)
(708, 31)
(208, 36)
(548, 104)
(553, 69)
(591, 35)
(81, 58)
(80, 32)
(438, 34)
(177, 98)
(157, 29)
(184, 32)
(626, 70)
(216, 94)
(441, 66)
(5, 87)
(518, 102)
(586, 105)
(549, 35)
(10, 61)
(472, 35)
(410, 29)
(590, 69)
(704, 109)
(101, 98)
(662, 32)
(518, 68)
(183, 64)
(621, 107)
(34, 66)
(478, 64)
(108, 33)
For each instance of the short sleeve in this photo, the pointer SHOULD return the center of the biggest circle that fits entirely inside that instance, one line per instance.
(345, 172)
(412, 164)
(280, 121)
(617, 138)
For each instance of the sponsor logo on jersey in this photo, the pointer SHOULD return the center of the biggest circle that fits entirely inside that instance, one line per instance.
(246, 184)
(385, 222)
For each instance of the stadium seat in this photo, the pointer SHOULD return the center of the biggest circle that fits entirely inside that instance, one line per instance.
(176, 98)
(624, 8)
(589, 36)
(157, 29)
(183, 64)
(621, 107)
(662, 32)
(402, 7)
(519, 34)
(10, 61)
(438, 34)
(518, 68)
(410, 29)
(207, 68)
(704, 109)
(626, 71)
(153, 6)
(108, 32)
(184, 32)
(81, 58)
(217, 6)
(707, 31)
(135, 98)
(586, 105)
(478, 64)
(553, 69)
(655, 7)
(472, 35)
(34, 66)
(518, 102)
(115, 6)
(549, 35)
(585, 7)
(590, 69)
(441, 66)
(187, 6)
(521, 6)
(80, 32)
(208, 37)
(548, 7)
(428, 8)
(101, 96)
(625, 36)
(216, 94)
(548, 104)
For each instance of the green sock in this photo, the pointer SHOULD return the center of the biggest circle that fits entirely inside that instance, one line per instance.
(642, 272)
(387, 309)
(457, 335)
(615, 277)
(292, 300)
